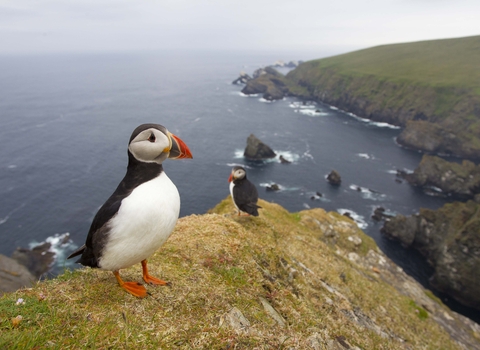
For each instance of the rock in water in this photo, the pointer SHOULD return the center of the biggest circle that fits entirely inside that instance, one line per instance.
(272, 187)
(257, 150)
(242, 79)
(457, 179)
(334, 178)
(268, 82)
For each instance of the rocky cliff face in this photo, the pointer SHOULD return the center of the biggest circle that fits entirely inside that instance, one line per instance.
(431, 124)
(459, 180)
(450, 240)
(269, 83)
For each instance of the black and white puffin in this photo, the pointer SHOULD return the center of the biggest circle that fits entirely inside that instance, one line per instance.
(244, 193)
(140, 215)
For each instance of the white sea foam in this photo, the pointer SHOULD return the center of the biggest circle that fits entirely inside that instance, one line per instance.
(261, 99)
(245, 95)
(238, 164)
(301, 105)
(291, 157)
(311, 112)
(61, 245)
(433, 191)
(359, 219)
(316, 197)
(365, 155)
(386, 212)
(4, 220)
(384, 125)
(334, 108)
(281, 187)
(311, 109)
(368, 193)
(12, 166)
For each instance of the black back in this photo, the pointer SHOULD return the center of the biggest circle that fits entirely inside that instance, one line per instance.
(245, 196)
(137, 174)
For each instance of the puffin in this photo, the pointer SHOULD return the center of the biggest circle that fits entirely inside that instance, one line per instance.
(140, 215)
(244, 193)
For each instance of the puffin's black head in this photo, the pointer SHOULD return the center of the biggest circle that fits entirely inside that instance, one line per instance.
(153, 143)
(238, 173)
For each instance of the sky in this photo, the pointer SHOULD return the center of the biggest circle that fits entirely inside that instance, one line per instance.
(63, 26)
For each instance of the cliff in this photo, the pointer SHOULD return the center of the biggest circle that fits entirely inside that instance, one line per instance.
(306, 280)
(461, 180)
(450, 240)
(430, 88)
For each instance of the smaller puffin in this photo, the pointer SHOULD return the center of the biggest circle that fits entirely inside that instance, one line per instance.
(244, 193)
(140, 215)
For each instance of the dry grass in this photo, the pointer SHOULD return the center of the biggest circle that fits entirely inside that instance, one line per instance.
(219, 262)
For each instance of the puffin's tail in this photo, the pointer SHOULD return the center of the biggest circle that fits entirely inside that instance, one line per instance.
(252, 209)
(77, 252)
(87, 258)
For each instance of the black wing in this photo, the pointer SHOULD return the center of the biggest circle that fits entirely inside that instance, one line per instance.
(245, 196)
(137, 173)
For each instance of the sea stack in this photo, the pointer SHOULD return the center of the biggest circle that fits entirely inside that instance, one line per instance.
(334, 178)
(257, 150)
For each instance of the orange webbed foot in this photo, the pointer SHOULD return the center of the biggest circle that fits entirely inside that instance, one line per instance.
(150, 279)
(155, 281)
(133, 288)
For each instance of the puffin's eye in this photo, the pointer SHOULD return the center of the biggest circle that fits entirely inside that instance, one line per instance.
(151, 138)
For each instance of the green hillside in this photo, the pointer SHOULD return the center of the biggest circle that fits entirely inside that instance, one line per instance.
(431, 87)
(439, 63)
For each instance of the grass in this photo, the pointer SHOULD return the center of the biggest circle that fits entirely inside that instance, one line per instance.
(217, 262)
(433, 83)
(448, 62)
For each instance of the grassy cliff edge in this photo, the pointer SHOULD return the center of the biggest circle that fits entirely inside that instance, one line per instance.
(306, 280)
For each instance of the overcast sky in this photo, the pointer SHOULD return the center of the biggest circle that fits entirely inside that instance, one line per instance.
(36, 26)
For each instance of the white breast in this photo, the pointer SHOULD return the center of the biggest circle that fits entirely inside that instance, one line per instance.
(144, 222)
(232, 185)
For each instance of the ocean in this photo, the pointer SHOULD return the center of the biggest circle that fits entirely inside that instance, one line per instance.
(66, 121)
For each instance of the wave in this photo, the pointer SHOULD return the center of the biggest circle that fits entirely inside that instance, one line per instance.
(245, 95)
(368, 193)
(359, 219)
(281, 187)
(373, 123)
(384, 125)
(311, 112)
(314, 196)
(310, 109)
(4, 220)
(365, 155)
(290, 156)
(60, 246)
(302, 105)
(239, 164)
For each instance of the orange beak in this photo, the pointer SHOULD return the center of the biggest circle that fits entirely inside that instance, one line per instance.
(179, 149)
(230, 179)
